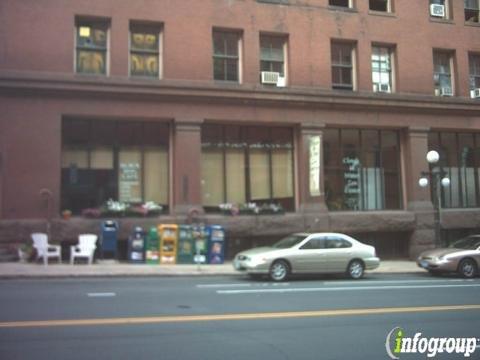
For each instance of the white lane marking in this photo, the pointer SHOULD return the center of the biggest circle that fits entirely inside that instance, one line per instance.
(104, 294)
(213, 286)
(359, 282)
(356, 288)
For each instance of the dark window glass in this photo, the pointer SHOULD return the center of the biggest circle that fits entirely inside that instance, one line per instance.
(379, 5)
(442, 72)
(225, 55)
(314, 244)
(362, 169)
(459, 161)
(342, 66)
(272, 54)
(97, 154)
(474, 71)
(342, 3)
(472, 11)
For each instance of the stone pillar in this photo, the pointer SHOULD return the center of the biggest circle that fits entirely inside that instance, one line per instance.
(418, 198)
(186, 177)
(311, 191)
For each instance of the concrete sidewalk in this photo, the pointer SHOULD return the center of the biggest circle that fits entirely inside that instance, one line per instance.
(109, 268)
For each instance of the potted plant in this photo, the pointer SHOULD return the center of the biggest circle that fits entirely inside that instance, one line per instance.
(24, 252)
(67, 214)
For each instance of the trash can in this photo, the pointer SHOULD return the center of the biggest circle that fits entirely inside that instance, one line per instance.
(216, 244)
(168, 243)
(109, 238)
(186, 245)
(200, 238)
(152, 246)
(136, 246)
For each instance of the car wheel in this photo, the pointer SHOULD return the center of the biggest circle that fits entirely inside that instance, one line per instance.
(279, 270)
(355, 269)
(467, 268)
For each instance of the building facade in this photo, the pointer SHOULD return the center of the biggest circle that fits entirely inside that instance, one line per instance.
(325, 108)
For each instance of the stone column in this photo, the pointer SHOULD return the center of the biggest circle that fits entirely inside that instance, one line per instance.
(418, 198)
(186, 177)
(310, 189)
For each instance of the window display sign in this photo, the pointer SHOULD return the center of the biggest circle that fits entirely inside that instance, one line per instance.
(314, 170)
(129, 182)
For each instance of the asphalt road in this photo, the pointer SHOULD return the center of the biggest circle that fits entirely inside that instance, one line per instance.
(232, 317)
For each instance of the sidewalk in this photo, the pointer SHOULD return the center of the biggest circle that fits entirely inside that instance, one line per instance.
(110, 268)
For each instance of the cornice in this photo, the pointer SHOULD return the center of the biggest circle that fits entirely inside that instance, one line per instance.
(67, 85)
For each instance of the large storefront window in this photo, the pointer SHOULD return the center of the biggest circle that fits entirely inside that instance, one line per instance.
(460, 162)
(124, 161)
(247, 164)
(362, 169)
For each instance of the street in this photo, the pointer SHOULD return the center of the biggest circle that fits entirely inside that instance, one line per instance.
(231, 317)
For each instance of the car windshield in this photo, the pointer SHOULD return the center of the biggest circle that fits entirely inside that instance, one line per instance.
(468, 243)
(289, 241)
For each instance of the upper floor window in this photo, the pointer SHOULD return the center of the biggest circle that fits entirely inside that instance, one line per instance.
(440, 9)
(380, 5)
(145, 50)
(442, 73)
(343, 55)
(474, 71)
(341, 3)
(382, 69)
(226, 55)
(91, 47)
(272, 59)
(472, 11)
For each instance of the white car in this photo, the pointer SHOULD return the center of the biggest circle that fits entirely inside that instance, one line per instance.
(304, 253)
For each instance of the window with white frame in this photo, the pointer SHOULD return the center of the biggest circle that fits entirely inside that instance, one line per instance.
(474, 72)
(382, 69)
(226, 55)
(343, 71)
(439, 9)
(442, 73)
(91, 46)
(272, 56)
(145, 50)
(472, 11)
(380, 5)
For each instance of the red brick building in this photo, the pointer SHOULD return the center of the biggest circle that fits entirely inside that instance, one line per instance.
(326, 107)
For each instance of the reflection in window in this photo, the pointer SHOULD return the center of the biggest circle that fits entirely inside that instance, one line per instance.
(460, 162)
(91, 47)
(125, 161)
(226, 56)
(144, 50)
(442, 73)
(474, 72)
(272, 54)
(342, 66)
(382, 69)
(472, 11)
(362, 169)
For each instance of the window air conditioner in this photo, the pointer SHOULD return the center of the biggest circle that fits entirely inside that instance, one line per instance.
(475, 93)
(384, 88)
(446, 91)
(437, 10)
(269, 77)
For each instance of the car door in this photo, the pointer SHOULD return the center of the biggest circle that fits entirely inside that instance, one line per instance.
(309, 257)
(338, 253)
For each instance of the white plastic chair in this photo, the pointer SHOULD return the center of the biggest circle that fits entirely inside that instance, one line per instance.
(87, 243)
(44, 249)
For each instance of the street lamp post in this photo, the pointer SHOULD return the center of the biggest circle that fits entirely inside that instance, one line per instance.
(437, 178)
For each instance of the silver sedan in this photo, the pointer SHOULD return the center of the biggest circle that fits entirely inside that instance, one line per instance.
(304, 253)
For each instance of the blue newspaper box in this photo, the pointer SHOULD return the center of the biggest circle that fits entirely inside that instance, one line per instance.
(109, 237)
(216, 244)
(136, 246)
